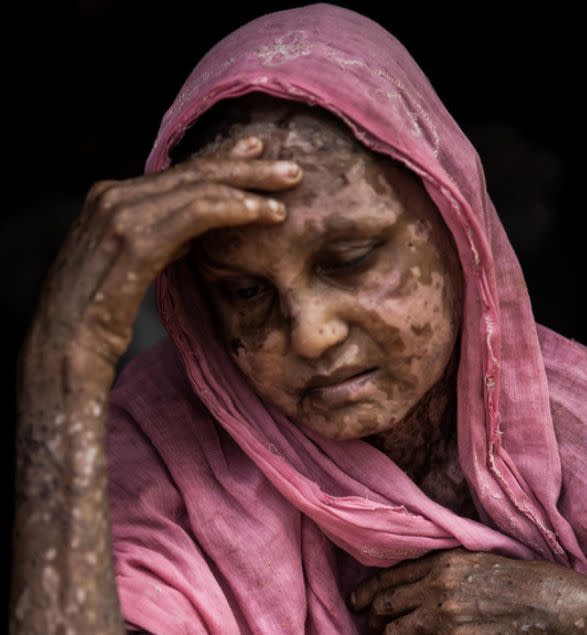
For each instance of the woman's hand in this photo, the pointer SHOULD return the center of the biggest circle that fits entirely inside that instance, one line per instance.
(130, 230)
(63, 576)
(472, 593)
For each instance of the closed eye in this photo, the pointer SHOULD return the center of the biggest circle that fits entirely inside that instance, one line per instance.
(259, 290)
(341, 266)
(246, 294)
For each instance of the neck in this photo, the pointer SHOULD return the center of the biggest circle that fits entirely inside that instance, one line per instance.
(428, 431)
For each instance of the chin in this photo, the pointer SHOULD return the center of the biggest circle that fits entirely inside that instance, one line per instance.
(345, 430)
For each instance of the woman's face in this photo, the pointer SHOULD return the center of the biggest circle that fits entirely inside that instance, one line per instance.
(361, 276)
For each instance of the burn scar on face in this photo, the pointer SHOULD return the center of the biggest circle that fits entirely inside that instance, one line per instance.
(362, 275)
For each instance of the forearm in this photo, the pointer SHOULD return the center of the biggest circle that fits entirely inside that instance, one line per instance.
(564, 593)
(62, 579)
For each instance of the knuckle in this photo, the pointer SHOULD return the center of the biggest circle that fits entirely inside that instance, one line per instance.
(445, 582)
(119, 226)
(97, 190)
(123, 227)
(449, 608)
(108, 198)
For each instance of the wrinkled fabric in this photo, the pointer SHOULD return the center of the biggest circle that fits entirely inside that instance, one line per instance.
(228, 517)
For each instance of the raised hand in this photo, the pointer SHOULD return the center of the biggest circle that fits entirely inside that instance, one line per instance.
(129, 230)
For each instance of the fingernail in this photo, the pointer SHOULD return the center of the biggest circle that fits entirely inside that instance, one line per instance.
(287, 169)
(277, 207)
(247, 144)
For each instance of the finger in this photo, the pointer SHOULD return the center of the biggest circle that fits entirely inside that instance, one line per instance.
(410, 624)
(263, 174)
(405, 573)
(255, 174)
(246, 148)
(397, 601)
(202, 215)
(200, 207)
(151, 214)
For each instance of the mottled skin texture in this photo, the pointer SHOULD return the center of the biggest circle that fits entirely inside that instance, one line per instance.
(290, 306)
(465, 593)
(398, 310)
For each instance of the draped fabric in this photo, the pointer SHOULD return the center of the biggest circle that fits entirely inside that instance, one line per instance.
(227, 516)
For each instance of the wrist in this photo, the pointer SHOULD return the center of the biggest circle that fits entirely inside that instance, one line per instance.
(64, 361)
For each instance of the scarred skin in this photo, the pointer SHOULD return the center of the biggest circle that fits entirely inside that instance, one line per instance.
(467, 593)
(63, 579)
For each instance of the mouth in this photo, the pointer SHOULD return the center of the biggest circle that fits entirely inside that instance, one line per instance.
(339, 376)
(336, 390)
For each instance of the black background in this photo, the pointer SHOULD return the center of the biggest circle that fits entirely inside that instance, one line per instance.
(87, 83)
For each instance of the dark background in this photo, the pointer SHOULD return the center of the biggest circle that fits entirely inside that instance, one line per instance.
(89, 81)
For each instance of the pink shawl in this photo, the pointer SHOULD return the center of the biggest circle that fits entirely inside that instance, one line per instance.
(228, 518)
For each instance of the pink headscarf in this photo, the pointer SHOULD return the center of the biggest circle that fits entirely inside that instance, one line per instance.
(227, 517)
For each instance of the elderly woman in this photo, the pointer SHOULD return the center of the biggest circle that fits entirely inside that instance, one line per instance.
(355, 423)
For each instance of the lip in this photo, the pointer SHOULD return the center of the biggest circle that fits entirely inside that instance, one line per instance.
(341, 387)
(336, 377)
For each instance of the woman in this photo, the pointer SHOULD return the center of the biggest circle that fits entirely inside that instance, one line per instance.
(355, 397)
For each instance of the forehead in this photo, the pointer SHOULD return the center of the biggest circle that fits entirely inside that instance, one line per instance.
(337, 201)
(345, 190)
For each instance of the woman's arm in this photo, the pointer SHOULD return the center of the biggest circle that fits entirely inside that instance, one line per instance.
(63, 573)
(63, 578)
(465, 592)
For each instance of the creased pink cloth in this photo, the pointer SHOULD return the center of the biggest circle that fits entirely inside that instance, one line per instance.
(227, 517)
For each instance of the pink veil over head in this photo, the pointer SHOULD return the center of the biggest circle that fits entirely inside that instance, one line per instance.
(236, 520)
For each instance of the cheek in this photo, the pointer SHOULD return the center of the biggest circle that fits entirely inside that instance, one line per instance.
(259, 353)
(413, 323)
(262, 359)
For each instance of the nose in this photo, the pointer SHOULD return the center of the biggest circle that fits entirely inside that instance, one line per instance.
(314, 326)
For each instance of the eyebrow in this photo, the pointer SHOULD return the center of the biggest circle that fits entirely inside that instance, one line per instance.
(337, 227)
